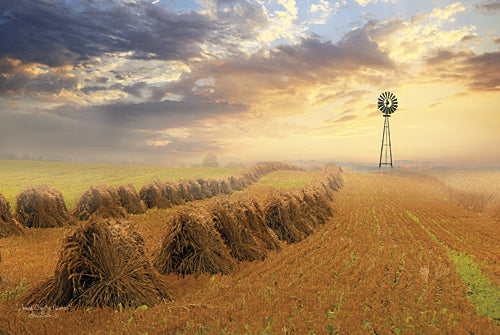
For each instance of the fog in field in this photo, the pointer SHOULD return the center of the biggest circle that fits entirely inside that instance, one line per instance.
(167, 82)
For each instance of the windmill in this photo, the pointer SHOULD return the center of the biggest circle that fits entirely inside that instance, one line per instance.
(387, 104)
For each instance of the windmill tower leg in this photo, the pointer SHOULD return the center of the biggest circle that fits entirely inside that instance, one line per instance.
(385, 149)
(389, 137)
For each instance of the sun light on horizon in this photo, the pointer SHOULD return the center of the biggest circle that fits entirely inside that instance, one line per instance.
(248, 80)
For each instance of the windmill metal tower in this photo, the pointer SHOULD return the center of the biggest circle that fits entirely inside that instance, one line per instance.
(387, 103)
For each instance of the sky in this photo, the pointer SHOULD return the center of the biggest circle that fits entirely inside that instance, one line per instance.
(164, 82)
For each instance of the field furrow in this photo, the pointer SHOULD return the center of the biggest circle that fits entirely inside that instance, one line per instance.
(375, 268)
(383, 264)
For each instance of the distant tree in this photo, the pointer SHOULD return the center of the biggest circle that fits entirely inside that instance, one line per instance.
(210, 160)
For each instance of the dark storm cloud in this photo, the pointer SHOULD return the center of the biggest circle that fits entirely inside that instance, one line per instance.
(353, 52)
(134, 89)
(54, 33)
(311, 59)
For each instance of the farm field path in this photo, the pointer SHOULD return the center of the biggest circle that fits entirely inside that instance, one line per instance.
(380, 266)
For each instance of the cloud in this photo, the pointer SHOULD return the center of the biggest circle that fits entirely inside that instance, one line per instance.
(55, 34)
(366, 2)
(446, 14)
(484, 71)
(343, 119)
(280, 80)
(34, 80)
(112, 77)
(442, 56)
(488, 7)
(480, 72)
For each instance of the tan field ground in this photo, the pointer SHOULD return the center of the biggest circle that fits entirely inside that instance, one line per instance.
(390, 260)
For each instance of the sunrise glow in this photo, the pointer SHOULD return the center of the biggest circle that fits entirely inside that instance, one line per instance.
(166, 82)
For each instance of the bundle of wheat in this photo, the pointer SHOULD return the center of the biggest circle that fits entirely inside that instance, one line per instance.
(235, 183)
(8, 225)
(172, 193)
(248, 177)
(317, 204)
(192, 246)
(332, 177)
(130, 200)
(102, 264)
(301, 219)
(277, 217)
(205, 188)
(195, 189)
(153, 195)
(241, 241)
(41, 207)
(250, 210)
(184, 190)
(224, 186)
(99, 201)
(214, 186)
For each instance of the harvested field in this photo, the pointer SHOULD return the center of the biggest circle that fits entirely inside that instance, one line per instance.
(102, 263)
(235, 231)
(8, 225)
(157, 195)
(247, 228)
(477, 191)
(153, 195)
(192, 246)
(129, 199)
(249, 210)
(389, 261)
(73, 179)
(99, 201)
(278, 217)
(41, 207)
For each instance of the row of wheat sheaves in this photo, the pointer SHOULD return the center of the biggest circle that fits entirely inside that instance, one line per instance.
(103, 261)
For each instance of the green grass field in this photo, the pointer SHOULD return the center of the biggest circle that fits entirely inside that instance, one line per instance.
(72, 179)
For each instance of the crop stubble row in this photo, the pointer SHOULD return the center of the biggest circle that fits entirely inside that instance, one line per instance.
(374, 267)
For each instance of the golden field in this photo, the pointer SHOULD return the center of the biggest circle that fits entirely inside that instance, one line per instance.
(396, 257)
